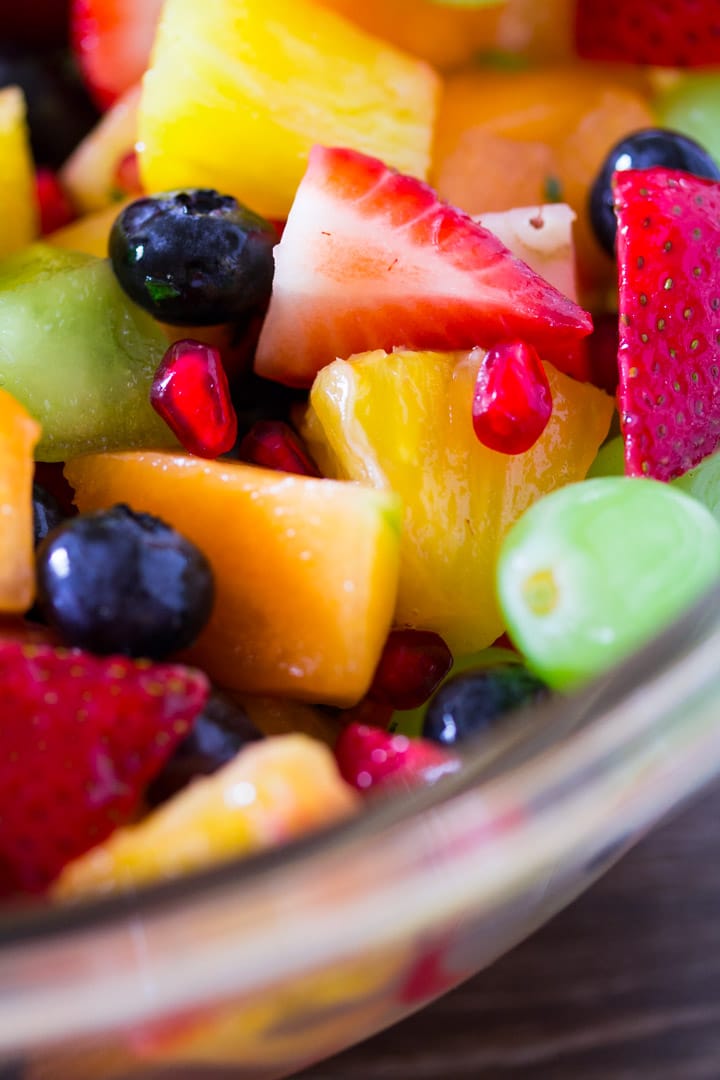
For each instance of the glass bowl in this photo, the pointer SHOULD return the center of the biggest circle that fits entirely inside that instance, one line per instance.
(258, 968)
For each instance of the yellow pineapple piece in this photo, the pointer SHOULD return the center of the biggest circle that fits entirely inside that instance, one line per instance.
(271, 792)
(403, 422)
(18, 436)
(240, 90)
(18, 209)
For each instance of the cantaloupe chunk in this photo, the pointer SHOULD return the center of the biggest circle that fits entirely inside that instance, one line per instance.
(18, 435)
(306, 570)
(240, 90)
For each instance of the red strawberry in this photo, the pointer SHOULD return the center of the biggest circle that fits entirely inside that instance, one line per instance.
(369, 757)
(272, 444)
(80, 738)
(112, 40)
(666, 33)
(371, 259)
(669, 356)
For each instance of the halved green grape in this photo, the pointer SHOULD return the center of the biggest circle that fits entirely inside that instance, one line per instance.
(595, 569)
(692, 106)
(703, 483)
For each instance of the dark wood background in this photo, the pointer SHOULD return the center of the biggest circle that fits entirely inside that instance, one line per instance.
(623, 984)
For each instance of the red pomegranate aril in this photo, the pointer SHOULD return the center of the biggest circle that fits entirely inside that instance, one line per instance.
(512, 402)
(412, 664)
(273, 444)
(369, 757)
(190, 392)
(54, 205)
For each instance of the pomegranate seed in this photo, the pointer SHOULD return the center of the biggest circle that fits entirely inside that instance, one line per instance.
(53, 202)
(369, 757)
(412, 664)
(127, 175)
(190, 391)
(512, 402)
(274, 445)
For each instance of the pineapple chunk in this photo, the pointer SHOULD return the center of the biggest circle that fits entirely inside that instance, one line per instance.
(240, 90)
(402, 422)
(271, 792)
(18, 210)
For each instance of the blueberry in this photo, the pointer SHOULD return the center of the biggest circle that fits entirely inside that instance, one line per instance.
(194, 258)
(477, 701)
(120, 582)
(643, 150)
(219, 733)
(59, 111)
(47, 514)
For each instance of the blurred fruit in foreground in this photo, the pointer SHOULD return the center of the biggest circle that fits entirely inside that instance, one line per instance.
(271, 792)
(305, 569)
(108, 724)
(18, 436)
(18, 216)
(258, 90)
(373, 419)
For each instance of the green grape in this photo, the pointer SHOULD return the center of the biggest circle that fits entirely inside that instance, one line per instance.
(610, 460)
(692, 107)
(410, 721)
(595, 569)
(703, 483)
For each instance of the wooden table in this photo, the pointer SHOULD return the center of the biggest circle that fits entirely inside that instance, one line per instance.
(623, 984)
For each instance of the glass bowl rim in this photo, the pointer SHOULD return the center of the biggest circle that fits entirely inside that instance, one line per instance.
(537, 731)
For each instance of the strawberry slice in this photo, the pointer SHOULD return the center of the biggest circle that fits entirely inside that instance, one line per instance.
(112, 40)
(669, 356)
(369, 757)
(371, 259)
(666, 33)
(81, 736)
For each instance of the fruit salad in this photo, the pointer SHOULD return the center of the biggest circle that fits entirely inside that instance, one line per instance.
(359, 387)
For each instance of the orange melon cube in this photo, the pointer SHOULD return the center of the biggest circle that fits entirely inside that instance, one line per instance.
(19, 434)
(306, 570)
